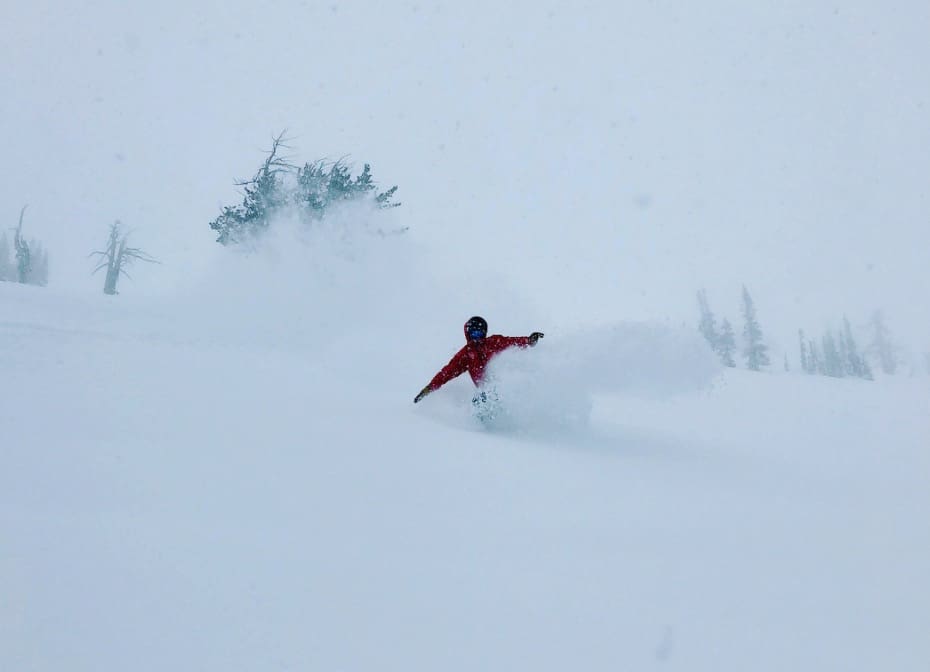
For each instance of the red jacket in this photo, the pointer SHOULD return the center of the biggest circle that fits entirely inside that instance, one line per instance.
(474, 358)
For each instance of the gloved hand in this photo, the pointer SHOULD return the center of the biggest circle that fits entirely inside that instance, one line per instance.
(535, 336)
(422, 394)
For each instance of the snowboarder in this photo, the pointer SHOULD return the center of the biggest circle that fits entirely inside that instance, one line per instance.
(474, 357)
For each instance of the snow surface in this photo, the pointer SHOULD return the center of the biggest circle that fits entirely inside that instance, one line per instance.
(237, 479)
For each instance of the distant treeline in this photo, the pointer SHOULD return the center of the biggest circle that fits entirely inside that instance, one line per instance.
(26, 262)
(836, 353)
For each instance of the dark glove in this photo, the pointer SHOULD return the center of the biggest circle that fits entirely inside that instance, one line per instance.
(422, 394)
(535, 336)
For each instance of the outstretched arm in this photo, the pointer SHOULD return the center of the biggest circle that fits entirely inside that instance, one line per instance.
(519, 341)
(456, 367)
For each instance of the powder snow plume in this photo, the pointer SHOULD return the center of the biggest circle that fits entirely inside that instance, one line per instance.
(549, 390)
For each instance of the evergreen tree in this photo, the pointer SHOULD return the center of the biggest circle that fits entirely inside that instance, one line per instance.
(23, 253)
(843, 348)
(832, 360)
(855, 362)
(43, 277)
(882, 348)
(318, 187)
(38, 271)
(31, 260)
(312, 188)
(340, 186)
(754, 349)
(815, 359)
(726, 344)
(263, 196)
(708, 324)
(6, 266)
(306, 192)
(866, 370)
(802, 346)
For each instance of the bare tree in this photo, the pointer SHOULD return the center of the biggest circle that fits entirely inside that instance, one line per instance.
(117, 256)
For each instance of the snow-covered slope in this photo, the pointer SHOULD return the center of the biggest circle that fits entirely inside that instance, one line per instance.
(238, 480)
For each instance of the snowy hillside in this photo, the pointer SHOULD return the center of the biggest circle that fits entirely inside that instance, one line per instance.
(188, 486)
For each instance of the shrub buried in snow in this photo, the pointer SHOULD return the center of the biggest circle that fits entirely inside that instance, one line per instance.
(309, 191)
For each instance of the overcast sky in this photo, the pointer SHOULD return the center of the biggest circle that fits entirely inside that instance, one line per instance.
(607, 159)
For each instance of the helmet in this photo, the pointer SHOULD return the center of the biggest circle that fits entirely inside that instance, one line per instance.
(476, 328)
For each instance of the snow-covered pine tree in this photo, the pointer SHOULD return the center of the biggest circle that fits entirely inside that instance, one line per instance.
(832, 360)
(304, 192)
(882, 348)
(708, 323)
(38, 271)
(6, 266)
(754, 349)
(43, 277)
(802, 347)
(855, 362)
(843, 350)
(23, 253)
(726, 344)
(866, 370)
(319, 186)
(815, 359)
(312, 186)
(264, 194)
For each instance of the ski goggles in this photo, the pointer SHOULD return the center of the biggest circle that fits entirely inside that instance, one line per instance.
(477, 334)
